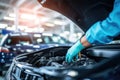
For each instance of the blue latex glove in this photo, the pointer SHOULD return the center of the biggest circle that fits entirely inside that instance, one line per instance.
(74, 51)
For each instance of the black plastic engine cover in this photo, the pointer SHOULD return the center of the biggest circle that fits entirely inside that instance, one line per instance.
(105, 51)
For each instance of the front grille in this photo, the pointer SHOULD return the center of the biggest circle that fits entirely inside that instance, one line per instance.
(19, 73)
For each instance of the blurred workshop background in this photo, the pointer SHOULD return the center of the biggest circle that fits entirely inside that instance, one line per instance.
(30, 17)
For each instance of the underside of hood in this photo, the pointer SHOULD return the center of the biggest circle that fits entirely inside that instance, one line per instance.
(82, 12)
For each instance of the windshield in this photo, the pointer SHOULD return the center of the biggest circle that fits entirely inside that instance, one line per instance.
(13, 40)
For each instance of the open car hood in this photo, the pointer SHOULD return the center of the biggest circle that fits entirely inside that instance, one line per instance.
(82, 12)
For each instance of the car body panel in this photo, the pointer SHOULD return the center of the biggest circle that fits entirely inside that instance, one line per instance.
(49, 64)
(82, 12)
(21, 43)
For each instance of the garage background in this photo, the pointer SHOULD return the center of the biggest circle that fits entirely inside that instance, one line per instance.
(30, 16)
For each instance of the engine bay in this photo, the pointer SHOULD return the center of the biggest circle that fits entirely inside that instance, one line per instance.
(56, 58)
(59, 61)
(50, 64)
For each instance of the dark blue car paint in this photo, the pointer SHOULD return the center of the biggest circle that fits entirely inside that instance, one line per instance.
(6, 58)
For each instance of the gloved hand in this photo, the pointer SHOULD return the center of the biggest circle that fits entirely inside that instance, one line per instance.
(74, 51)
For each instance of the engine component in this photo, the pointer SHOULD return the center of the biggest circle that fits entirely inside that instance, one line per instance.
(49, 64)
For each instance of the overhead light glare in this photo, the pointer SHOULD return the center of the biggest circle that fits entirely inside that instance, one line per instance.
(3, 25)
(59, 22)
(47, 34)
(28, 16)
(9, 18)
(11, 28)
(50, 24)
(12, 15)
(21, 27)
(44, 19)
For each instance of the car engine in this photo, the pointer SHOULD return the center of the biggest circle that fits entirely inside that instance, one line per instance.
(59, 61)
(56, 57)
(50, 64)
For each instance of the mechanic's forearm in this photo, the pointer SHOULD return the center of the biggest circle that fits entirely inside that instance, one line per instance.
(85, 42)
